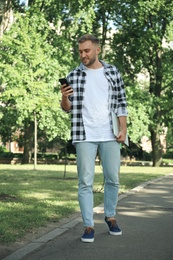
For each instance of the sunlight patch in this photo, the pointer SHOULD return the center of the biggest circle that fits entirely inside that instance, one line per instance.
(38, 195)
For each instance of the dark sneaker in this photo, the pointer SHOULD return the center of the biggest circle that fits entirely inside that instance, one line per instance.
(88, 235)
(113, 227)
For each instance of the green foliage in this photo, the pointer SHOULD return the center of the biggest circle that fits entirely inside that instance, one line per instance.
(143, 33)
(3, 150)
(169, 138)
(29, 73)
(169, 154)
(138, 119)
(7, 154)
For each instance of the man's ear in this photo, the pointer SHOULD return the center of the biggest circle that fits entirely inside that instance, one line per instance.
(98, 49)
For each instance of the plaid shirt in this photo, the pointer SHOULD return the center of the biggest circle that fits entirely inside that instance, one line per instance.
(116, 97)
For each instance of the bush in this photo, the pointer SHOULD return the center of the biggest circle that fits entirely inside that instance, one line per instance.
(48, 156)
(135, 151)
(3, 149)
(4, 153)
(168, 154)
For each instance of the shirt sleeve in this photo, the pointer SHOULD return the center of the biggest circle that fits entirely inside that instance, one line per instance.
(122, 103)
(122, 111)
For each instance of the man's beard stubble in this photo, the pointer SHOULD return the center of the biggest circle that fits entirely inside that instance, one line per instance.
(89, 62)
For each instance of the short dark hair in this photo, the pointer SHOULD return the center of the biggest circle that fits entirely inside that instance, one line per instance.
(88, 37)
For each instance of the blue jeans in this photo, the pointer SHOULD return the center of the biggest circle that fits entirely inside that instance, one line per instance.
(110, 158)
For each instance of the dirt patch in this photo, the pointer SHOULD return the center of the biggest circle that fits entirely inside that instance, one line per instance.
(7, 197)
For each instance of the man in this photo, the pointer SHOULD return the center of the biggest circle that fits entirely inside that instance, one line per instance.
(96, 89)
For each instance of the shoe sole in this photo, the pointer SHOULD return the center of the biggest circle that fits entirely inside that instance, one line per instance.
(115, 233)
(87, 240)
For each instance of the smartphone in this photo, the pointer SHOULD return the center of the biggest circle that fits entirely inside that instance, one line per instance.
(64, 81)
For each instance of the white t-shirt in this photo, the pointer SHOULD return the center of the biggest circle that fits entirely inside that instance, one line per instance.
(95, 107)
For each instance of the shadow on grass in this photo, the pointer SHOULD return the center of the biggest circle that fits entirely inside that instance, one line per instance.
(24, 215)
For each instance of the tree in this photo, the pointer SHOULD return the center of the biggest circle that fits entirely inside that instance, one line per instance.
(29, 75)
(141, 42)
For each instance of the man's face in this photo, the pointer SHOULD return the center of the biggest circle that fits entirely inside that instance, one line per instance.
(88, 52)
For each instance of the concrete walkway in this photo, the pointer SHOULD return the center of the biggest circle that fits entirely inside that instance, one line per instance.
(145, 216)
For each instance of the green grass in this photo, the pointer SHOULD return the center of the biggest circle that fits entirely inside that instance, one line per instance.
(168, 161)
(32, 198)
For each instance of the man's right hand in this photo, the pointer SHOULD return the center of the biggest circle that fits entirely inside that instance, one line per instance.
(66, 91)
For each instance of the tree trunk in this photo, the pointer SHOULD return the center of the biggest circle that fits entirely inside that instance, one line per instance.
(156, 148)
(6, 17)
(35, 141)
(28, 143)
(155, 89)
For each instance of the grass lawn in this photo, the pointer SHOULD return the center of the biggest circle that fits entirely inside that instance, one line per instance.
(32, 198)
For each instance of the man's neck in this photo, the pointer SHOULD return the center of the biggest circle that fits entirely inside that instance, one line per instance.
(96, 65)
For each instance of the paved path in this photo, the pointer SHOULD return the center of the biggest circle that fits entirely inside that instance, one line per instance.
(145, 216)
